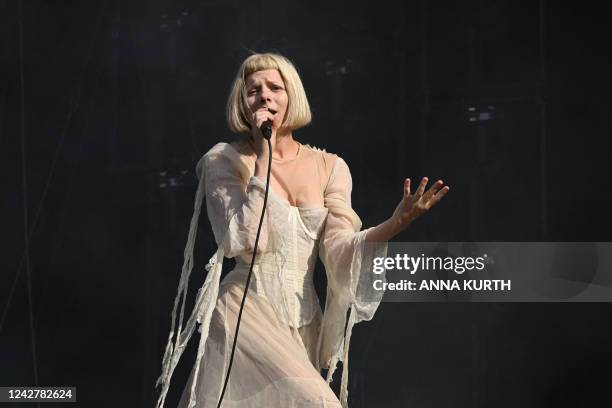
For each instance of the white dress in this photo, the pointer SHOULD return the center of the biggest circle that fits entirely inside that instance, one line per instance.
(284, 338)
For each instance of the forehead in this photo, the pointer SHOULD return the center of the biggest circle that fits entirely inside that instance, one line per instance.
(267, 75)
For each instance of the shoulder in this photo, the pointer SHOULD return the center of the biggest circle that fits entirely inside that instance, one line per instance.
(330, 161)
(225, 149)
(219, 153)
(232, 149)
(337, 174)
(234, 156)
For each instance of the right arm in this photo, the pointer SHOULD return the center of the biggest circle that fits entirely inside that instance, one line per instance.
(234, 210)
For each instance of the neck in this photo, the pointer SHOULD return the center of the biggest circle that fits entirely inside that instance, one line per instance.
(285, 145)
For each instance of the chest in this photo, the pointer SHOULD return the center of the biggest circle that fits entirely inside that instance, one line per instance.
(300, 183)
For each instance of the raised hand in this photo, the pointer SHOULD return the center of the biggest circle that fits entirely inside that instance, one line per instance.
(414, 205)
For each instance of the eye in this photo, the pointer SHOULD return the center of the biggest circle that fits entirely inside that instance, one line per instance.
(252, 92)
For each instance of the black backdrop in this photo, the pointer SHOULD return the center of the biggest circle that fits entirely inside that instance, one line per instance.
(115, 101)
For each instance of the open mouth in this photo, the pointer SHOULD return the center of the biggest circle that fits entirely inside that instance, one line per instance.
(272, 111)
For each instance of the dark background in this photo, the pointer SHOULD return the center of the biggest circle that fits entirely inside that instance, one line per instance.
(115, 101)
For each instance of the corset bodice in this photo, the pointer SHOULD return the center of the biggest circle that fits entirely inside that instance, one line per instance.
(292, 270)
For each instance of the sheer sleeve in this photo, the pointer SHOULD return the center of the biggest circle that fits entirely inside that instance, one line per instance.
(233, 210)
(348, 263)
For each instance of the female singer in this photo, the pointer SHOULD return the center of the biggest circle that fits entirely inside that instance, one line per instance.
(285, 339)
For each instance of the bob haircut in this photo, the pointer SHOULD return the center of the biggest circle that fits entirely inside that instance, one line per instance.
(298, 111)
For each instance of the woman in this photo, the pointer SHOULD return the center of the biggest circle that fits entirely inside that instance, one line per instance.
(284, 339)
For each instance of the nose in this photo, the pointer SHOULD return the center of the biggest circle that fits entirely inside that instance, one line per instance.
(265, 95)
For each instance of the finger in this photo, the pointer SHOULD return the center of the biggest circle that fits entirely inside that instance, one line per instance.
(265, 112)
(268, 115)
(439, 195)
(421, 188)
(262, 117)
(407, 188)
(433, 190)
(262, 111)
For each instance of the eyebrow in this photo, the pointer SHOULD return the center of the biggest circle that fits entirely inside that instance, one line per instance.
(258, 83)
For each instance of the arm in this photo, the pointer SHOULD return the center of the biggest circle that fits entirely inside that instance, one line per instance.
(384, 231)
(342, 237)
(234, 210)
(348, 261)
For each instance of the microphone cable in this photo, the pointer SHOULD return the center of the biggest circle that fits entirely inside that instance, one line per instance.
(267, 133)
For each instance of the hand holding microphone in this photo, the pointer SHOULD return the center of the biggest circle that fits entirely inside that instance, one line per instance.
(262, 128)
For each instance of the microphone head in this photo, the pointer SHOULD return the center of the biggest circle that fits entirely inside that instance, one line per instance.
(266, 131)
(266, 127)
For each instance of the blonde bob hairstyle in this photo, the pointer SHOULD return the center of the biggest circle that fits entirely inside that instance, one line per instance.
(298, 111)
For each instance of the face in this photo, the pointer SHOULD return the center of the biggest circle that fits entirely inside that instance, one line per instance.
(267, 89)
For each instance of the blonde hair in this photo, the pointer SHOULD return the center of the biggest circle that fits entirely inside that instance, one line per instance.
(298, 110)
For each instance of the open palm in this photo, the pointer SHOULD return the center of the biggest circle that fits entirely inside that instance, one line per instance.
(413, 205)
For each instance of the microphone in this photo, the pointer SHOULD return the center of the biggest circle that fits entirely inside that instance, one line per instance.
(266, 127)
(266, 130)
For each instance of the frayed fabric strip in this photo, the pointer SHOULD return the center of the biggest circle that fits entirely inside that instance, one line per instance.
(201, 314)
(345, 361)
(205, 314)
(172, 352)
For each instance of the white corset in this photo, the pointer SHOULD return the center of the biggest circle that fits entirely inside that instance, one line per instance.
(302, 232)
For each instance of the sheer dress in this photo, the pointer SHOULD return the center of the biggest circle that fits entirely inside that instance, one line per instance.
(285, 338)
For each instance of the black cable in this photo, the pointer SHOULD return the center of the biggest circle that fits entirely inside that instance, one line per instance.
(246, 288)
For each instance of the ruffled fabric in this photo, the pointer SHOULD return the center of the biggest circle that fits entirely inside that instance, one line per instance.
(234, 199)
(350, 289)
